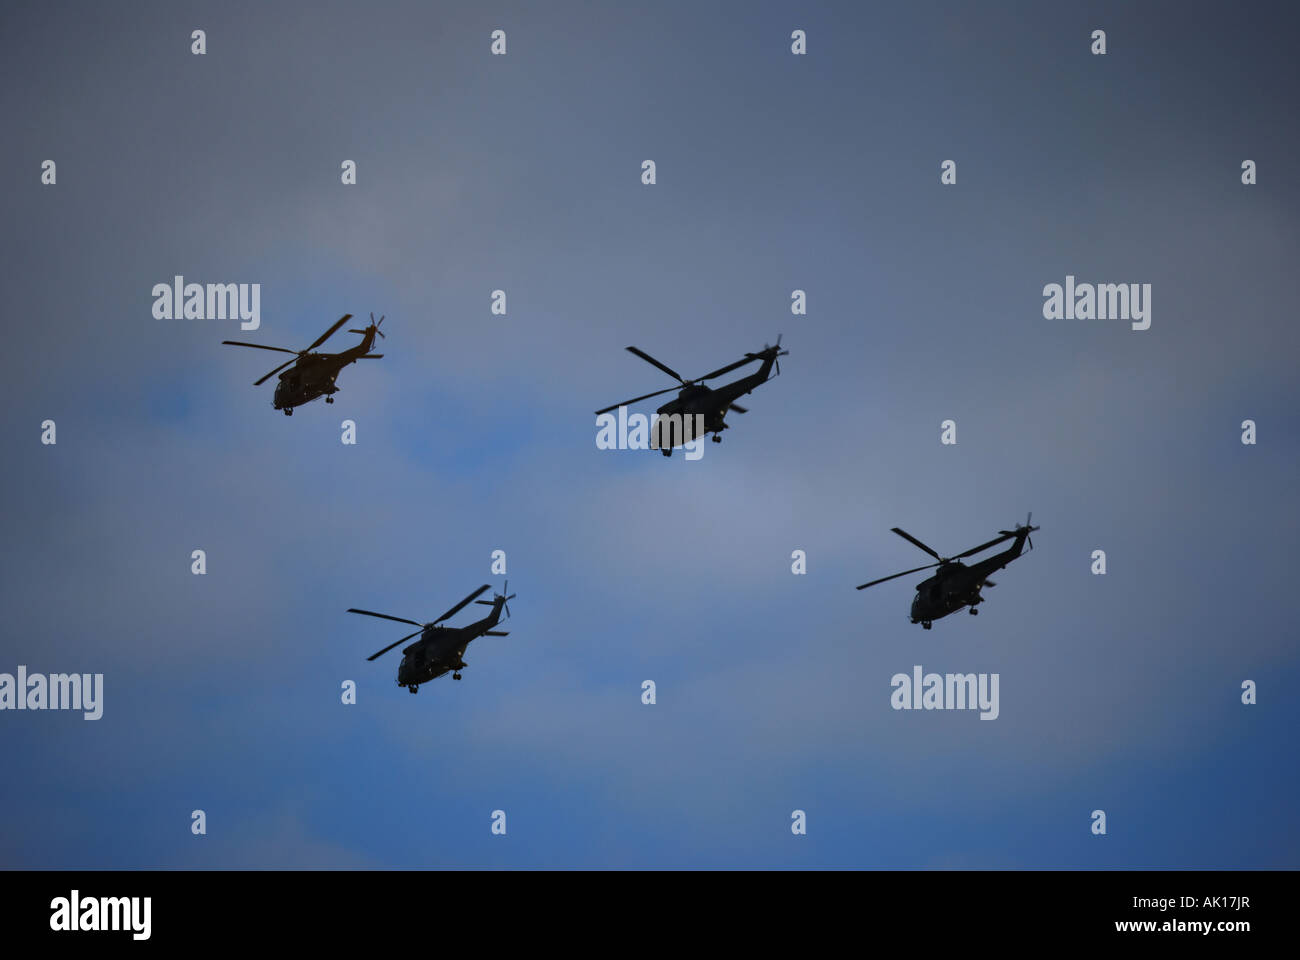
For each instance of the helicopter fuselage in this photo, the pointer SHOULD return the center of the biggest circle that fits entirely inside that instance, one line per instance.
(952, 588)
(440, 649)
(313, 375)
(676, 424)
(956, 585)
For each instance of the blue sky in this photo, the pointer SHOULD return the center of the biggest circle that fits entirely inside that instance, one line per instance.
(475, 433)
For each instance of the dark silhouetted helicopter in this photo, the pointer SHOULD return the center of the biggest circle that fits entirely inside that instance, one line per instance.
(694, 398)
(313, 374)
(440, 648)
(955, 585)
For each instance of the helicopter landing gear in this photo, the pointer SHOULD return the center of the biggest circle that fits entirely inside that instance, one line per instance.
(717, 438)
(329, 399)
(926, 624)
(667, 451)
(288, 411)
(455, 676)
(974, 611)
(414, 688)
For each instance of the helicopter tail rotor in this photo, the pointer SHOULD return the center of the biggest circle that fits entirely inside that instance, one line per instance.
(505, 599)
(373, 327)
(1027, 527)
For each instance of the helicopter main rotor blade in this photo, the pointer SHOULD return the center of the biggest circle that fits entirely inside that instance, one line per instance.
(258, 383)
(393, 644)
(911, 539)
(664, 367)
(637, 400)
(897, 575)
(456, 609)
(330, 332)
(984, 546)
(258, 346)
(384, 616)
(728, 368)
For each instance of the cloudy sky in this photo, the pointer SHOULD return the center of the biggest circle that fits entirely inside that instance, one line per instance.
(775, 172)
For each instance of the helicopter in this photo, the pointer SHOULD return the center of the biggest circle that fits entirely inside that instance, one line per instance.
(313, 374)
(694, 398)
(441, 649)
(955, 585)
